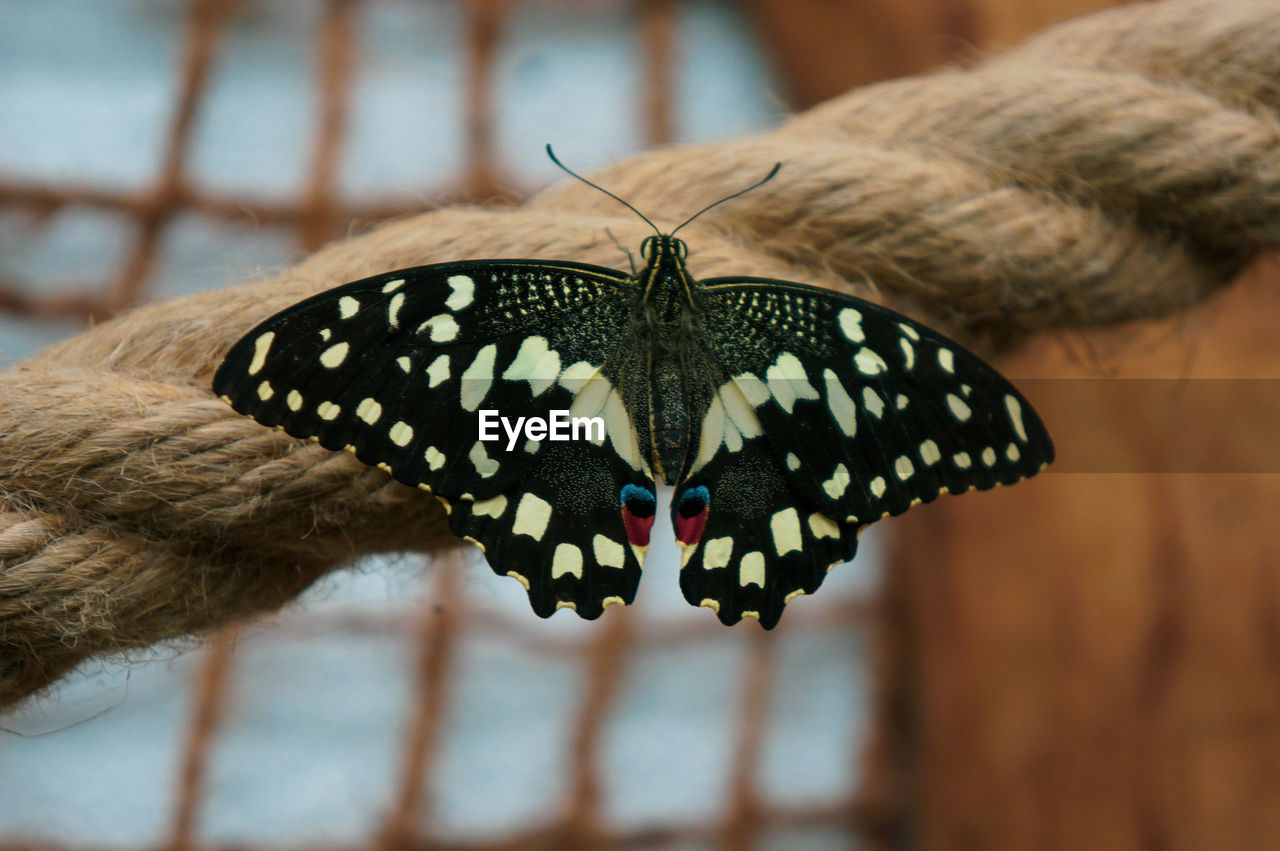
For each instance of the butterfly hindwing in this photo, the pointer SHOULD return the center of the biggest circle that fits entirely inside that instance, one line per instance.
(830, 414)
(407, 370)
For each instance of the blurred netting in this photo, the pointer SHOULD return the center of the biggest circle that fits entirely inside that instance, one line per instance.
(652, 727)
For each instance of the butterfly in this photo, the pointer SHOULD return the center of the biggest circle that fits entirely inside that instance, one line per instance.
(540, 401)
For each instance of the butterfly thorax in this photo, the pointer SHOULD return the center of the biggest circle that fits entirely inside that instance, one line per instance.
(677, 382)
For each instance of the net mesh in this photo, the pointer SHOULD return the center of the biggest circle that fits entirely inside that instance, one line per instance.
(316, 213)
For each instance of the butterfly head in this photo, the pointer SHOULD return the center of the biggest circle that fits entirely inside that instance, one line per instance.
(654, 248)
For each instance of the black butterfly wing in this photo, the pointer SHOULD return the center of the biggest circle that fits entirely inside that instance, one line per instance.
(405, 369)
(830, 413)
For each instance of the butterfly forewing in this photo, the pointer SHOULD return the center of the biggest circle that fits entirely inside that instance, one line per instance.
(400, 368)
(835, 413)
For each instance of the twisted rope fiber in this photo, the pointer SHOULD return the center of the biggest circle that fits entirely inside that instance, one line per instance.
(1117, 167)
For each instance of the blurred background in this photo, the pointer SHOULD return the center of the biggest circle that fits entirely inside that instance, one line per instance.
(1073, 663)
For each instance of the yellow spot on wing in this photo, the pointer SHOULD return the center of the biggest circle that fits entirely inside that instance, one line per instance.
(490, 507)
(369, 410)
(716, 553)
(401, 433)
(260, 348)
(532, 516)
(751, 569)
(607, 551)
(784, 525)
(567, 559)
(332, 357)
(823, 526)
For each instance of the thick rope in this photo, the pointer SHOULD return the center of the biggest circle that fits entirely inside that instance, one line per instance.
(1118, 167)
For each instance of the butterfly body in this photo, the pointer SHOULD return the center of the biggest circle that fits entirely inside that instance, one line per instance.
(787, 417)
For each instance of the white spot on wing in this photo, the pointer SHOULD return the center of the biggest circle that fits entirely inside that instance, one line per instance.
(903, 468)
(909, 331)
(851, 325)
(442, 328)
(962, 460)
(739, 411)
(464, 290)
(712, 435)
(1014, 407)
(591, 400)
(793, 463)
(404, 363)
(477, 378)
(785, 528)
(567, 559)
(294, 400)
(788, 381)
(946, 360)
(839, 481)
(608, 552)
(989, 456)
(617, 424)
(869, 362)
(822, 526)
(490, 507)
(480, 459)
(434, 458)
(872, 402)
(348, 307)
(332, 357)
(929, 453)
(751, 570)
(438, 371)
(959, 409)
(328, 411)
(877, 487)
(266, 391)
(532, 515)
(392, 286)
(534, 363)
(401, 433)
(261, 346)
(753, 389)
(908, 353)
(839, 403)
(575, 376)
(369, 410)
(716, 552)
(393, 310)
(1012, 452)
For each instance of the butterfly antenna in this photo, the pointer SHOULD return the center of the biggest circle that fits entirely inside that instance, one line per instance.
(573, 173)
(755, 185)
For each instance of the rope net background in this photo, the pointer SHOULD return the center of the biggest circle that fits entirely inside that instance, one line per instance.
(1116, 168)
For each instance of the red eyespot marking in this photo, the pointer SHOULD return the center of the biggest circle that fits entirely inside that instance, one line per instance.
(638, 510)
(638, 528)
(691, 514)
